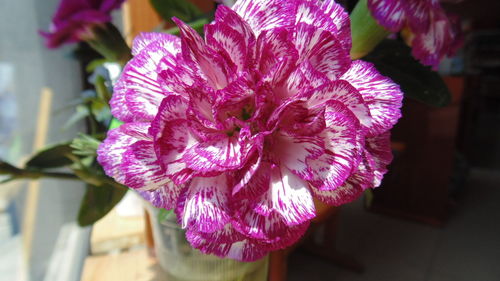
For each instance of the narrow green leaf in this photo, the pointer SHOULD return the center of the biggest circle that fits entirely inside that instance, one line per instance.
(82, 111)
(7, 169)
(394, 59)
(115, 123)
(182, 9)
(85, 145)
(97, 202)
(51, 157)
(163, 214)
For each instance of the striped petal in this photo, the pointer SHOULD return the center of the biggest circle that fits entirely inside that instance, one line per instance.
(138, 86)
(322, 49)
(227, 243)
(236, 42)
(382, 96)
(205, 204)
(164, 197)
(391, 14)
(170, 130)
(290, 196)
(345, 93)
(170, 43)
(141, 167)
(111, 150)
(332, 168)
(263, 15)
(340, 18)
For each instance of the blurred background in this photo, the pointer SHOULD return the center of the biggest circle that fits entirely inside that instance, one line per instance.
(436, 216)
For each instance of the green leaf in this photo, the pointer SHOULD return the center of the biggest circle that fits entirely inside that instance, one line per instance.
(82, 111)
(102, 90)
(115, 123)
(85, 145)
(163, 214)
(51, 157)
(181, 9)
(97, 202)
(8, 169)
(394, 59)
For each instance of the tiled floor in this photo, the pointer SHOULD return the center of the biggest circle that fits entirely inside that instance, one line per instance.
(466, 249)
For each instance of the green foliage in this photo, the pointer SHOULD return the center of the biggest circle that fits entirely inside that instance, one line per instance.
(394, 59)
(181, 9)
(54, 156)
(163, 215)
(98, 201)
(85, 145)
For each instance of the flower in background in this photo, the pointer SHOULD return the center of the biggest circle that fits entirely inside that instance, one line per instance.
(434, 34)
(240, 131)
(75, 19)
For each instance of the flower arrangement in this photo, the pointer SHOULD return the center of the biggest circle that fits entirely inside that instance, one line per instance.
(240, 131)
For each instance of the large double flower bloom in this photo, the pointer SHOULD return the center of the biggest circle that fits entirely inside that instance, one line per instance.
(240, 131)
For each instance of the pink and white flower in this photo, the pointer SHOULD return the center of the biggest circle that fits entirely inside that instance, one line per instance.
(240, 131)
(435, 34)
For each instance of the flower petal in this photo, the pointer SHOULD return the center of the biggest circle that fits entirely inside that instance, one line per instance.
(303, 148)
(205, 208)
(211, 65)
(263, 15)
(331, 169)
(170, 43)
(341, 20)
(226, 243)
(379, 147)
(138, 85)
(237, 43)
(141, 167)
(345, 93)
(111, 150)
(276, 55)
(381, 94)
(323, 50)
(172, 137)
(290, 196)
(391, 14)
(351, 189)
(164, 197)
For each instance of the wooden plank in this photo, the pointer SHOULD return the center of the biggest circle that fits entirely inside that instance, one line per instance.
(129, 266)
(42, 126)
(114, 232)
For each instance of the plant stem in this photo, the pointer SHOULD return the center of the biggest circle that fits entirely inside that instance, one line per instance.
(366, 32)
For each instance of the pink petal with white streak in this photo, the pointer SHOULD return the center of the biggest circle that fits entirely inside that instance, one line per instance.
(111, 150)
(391, 14)
(142, 168)
(290, 197)
(345, 93)
(227, 243)
(380, 93)
(164, 197)
(172, 136)
(292, 152)
(276, 55)
(206, 204)
(341, 19)
(332, 168)
(170, 43)
(139, 85)
(351, 190)
(237, 44)
(323, 50)
(263, 15)
(214, 68)
(379, 147)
